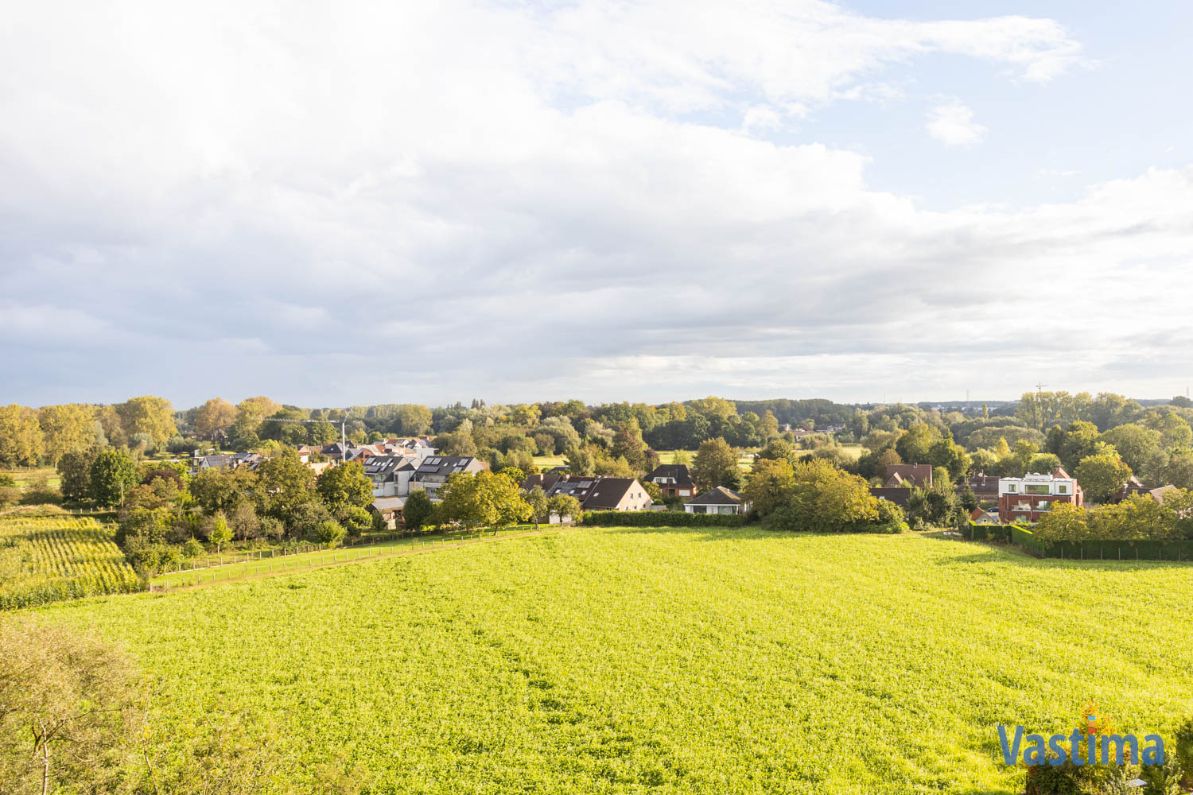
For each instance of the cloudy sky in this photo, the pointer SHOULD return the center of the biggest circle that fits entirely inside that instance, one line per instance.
(349, 203)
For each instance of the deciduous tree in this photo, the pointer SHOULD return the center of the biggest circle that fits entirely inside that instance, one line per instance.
(21, 438)
(715, 465)
(69, 428)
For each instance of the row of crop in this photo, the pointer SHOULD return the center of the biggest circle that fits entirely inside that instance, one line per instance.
(49, 559)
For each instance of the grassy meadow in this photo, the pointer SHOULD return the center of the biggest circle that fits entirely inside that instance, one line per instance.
(662, 660)
(58, 556)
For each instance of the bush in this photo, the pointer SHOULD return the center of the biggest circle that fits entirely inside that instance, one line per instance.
(417, 511)
(659, 519)
(356, 520)
(329, 532)
(1184, 750)
(192, 548)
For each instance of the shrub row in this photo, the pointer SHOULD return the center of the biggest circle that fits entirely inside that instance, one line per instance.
(1100, 549)
(660, 519)
(987, 532)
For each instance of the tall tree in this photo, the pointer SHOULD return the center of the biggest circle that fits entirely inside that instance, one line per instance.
(715, 465)
(74, 472)
(113, 475)
(69, 428)
(483, 500)
(21, 439)
(214, 418)
(345, 486)
(628, 444)
(770, 484)
(147, 417)
(284, 486)
(1102, 476)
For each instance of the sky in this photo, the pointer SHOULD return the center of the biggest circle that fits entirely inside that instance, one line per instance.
(350, 203)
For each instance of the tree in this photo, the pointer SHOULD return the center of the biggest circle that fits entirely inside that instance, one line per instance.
(1179, 469)
(213, 419)
(1102, 476)
(71, 709)
(417, 510)
(715, 465)
(356, 520)
(516, 474)
(1080, 440)
(21, 438)
(148, 416)
(565, 506)
(74, 472)
(483, 500)
(950, 455)
(824, 499)
(216, 490)
(68, 428)
(652, 489)
(220, 533)
(536, 498)
(916, 444)
(628, 444)
(769, 485)
(1064, 522)
(1138, 446)
(284, 485)
(113, 475)
(779, 450)
(344, 486)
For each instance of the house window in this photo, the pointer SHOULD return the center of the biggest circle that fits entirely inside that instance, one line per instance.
(1035, 488)
(1012, 488)
(1061, 488)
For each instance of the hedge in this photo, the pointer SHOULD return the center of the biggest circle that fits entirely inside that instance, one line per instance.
(988, 532)
(1117, 550)
(660, 519)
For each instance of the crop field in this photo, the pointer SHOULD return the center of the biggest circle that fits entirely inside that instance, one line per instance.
(661, 660)
(47, 558)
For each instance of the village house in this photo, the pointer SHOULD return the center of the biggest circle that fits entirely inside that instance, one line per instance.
(674, 480)
(390, 474)
(899, 495)
(594, 493)
(1028, 498)
(918, 475)
(433, 472)
(719, 500)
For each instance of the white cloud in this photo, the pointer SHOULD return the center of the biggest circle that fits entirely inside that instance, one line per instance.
(952, 123)
(424, 203)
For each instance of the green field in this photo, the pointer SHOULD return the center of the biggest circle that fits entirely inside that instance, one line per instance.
(633, 660)
(27, 477)
(47, 558)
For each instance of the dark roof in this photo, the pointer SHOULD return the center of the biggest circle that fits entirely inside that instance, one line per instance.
(676, 472)
(444, 464)
(593, 491)
(920, 474)
(545, 481)
(716, 496)
(607, 492)
(896, 494)
(380, 466)
(983, 484)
